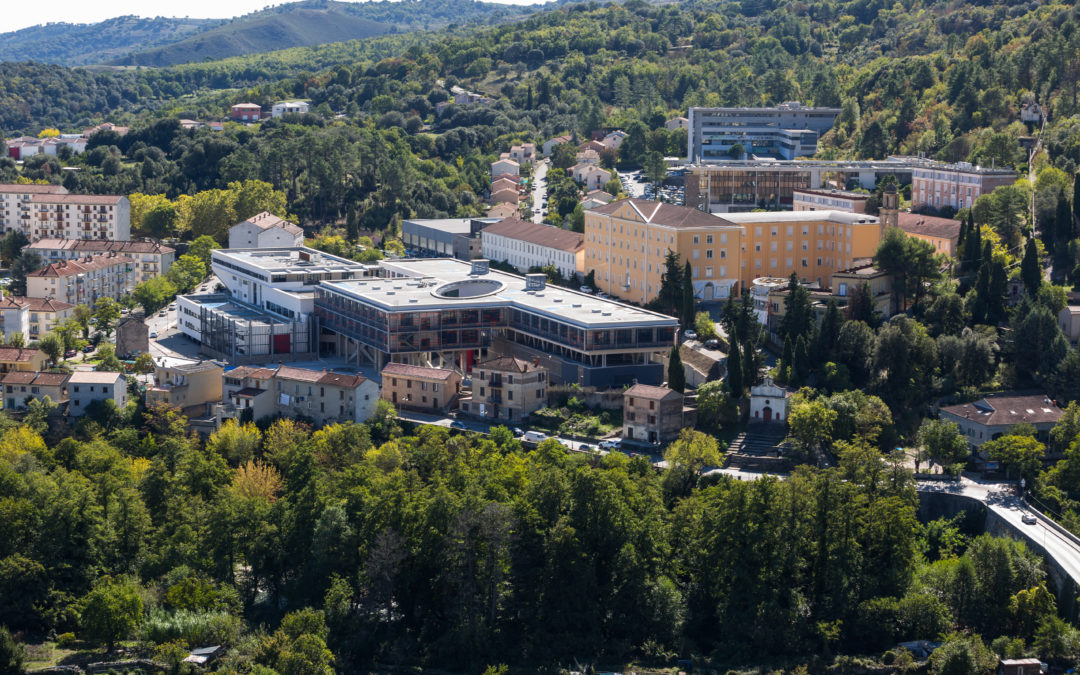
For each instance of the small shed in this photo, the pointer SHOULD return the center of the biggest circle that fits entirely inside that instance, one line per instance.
(1019, 667)
(203, 656)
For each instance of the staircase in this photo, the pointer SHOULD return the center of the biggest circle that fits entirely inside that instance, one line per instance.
(756, 450)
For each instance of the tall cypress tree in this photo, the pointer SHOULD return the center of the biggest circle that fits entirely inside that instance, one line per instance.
(734, 369)
(802, 358)
(963, 235)
(787, 360)
(676, 376)
(1030, 269)
(1076, 205)
(686, 309)
(1062, 235)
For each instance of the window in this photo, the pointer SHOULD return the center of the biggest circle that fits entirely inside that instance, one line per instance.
(708, 272)
(708, 254)
(696, 240)
(652, 405)
(708, 239)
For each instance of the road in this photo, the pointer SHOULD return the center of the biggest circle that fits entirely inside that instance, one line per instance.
(539, 190)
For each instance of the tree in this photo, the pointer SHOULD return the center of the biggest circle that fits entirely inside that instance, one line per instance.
(108, 362)
(940, 441)
(201, 247)
(686, 306)
(144, 363)
(691, 454)
(704, 326)
(676, 374)
(81, 315)
(1021, 455)
(1030, 269)
(16, 340)
(155, 293)
(306, 655)
(669, 297)
(27, 263)
(111, 611)
(798, 318)
(654, 166)
(106, 314)
(53, 347)
(715, 406)
(162, 220)
(12, 654)
(187, 273)
(11, 246)
(810, 424)
(735, 380)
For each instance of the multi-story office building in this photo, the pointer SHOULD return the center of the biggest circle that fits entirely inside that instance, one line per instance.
(507, 389)
(527, 245)
(83, 281)
(269, 303)
(957, 185)
(445, 237)
(65, 216)
(805, 199)
(151, 258)
(626, 243)
(786, 131)
(448, 312)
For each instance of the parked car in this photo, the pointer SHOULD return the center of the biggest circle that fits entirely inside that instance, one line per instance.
(690, 335)
(88, 349)
(518, 433)
(712, 344)
(458, 424)
(586, 289)
(534, 437)
(153, 334)
(161, 313)
(70, 353)
(611, 444)
(1028, 519)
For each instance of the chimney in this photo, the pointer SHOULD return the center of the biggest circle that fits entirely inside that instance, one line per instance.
(480, 266)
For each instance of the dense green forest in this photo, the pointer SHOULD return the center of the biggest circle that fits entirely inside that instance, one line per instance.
(370, 546)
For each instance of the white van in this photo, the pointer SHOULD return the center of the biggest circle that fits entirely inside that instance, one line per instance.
(534, 437)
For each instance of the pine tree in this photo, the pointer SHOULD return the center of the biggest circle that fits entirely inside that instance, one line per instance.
(1030, 269)
(734, 369)
(828, 332)
(676, 376)
(686, 310)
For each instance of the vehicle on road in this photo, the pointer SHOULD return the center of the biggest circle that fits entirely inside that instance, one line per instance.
(88, 349)
(458, 424)
(534, 437)
(586, 289)
(611, 444)
(172, 306)
(1028, 519)
(161, 313)
(70, 353)
(153, 334)
(518, 433)
(690, 335)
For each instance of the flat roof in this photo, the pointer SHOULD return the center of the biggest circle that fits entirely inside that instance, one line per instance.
(801, 217)
(219, 302)
(415, 290)
(843, 194)
(449, 225)
(287, 260)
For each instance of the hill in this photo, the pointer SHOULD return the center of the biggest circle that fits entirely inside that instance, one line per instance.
(76, 44)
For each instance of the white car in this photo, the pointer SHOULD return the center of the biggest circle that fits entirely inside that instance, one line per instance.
(153, 334)
(611, 444)
(534, 437)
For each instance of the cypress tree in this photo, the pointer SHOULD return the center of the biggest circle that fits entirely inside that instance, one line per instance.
(802, 358)
(734, 369)
(686, 310)
(961, 237)
(1030, 269)
(786, 361)
(1062, 235)
(1075, 205)
(676, 376)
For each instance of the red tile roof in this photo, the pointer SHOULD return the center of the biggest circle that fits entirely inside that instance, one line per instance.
(1006, 409)
(509, 363)
(66, 268)
(662, 213)
(267, 220)
(17, 354)
(15, 188)
(649, 392)
(928, 226)
(100, 245)
(535, 233)
(406, 370)
(76, 199)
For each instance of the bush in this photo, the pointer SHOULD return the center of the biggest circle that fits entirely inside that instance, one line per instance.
(194, 628)
(65, 640)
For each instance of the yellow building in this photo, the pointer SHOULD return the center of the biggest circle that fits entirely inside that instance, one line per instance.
(626, 243)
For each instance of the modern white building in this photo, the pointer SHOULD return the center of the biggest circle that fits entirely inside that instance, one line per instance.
(283, 107)
(269, 301)
(787, 131)
(87, 386)
(151, 258)
(527, 245)
(265, 230)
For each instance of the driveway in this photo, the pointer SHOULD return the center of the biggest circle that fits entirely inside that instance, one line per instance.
(539, 190)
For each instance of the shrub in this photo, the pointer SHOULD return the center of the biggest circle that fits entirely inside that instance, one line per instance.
(65, 640)
(194, 628)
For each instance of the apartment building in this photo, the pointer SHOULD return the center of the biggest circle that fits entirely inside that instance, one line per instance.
(51, 215)
(829, 200)
(22, 385)
(626, 243)
(83, 281)
(15, 202)
(957, 185)
(324, 396)
(265, 230)
(14, 317)
(247, 394)
(507, 389)
(419, 388)
(87, 386)
(18, 358)
(655, 414)
(151, 258)
(185, 383)
(526, 245)
(786, 131)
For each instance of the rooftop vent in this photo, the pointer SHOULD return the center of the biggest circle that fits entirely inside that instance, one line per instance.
(480, 266)
(535, 282)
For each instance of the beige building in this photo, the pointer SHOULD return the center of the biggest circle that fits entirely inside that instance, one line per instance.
(15, 358)
(324, 396)
(185, 383)
(20, 386)
(87, 386)
(247, 394)
(507, 389)
(151, 258)
(655, 414)
(943, 233)
(67, 216)
(626, 243)
(46, 314)
(419, 388)
(828, 200)
(83, 281)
